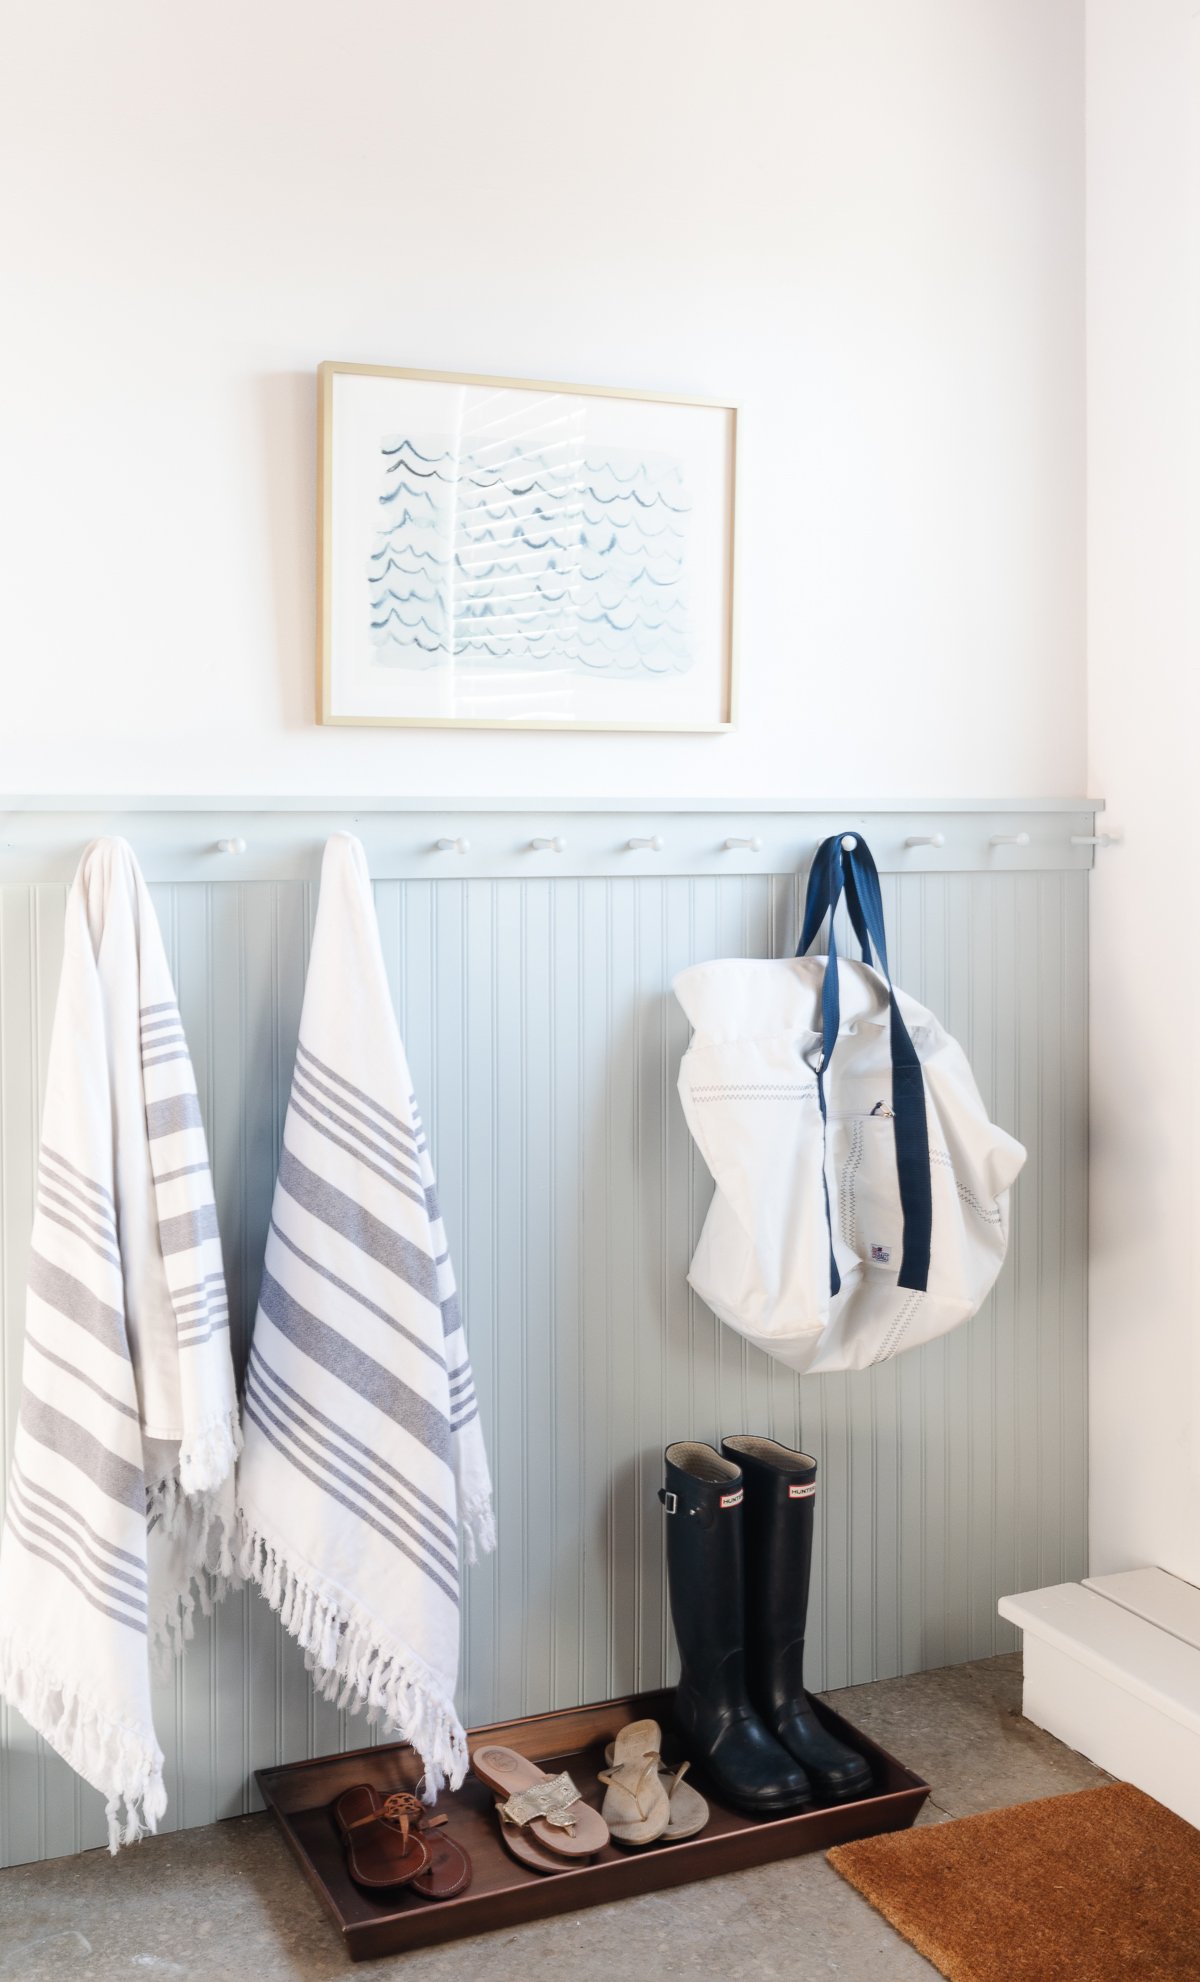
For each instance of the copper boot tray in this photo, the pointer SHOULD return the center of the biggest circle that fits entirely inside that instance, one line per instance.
(504, 1893)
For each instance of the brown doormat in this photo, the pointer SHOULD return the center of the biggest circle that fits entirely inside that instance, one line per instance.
(1101, 1886)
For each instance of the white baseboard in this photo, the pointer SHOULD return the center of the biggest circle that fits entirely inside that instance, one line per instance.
(1113, 1669)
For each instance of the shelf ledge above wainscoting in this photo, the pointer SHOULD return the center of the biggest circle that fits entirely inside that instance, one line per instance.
(317, 802)
(274, 839)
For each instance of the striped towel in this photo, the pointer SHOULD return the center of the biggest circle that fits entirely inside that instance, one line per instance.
(364, 1453)
(120, 1507)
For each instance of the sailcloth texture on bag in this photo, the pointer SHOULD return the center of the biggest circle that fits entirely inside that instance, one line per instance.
(119, 1516)
(364, 1453)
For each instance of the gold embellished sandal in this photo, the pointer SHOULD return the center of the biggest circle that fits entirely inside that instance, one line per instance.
(524, 1847)
(549, 1808)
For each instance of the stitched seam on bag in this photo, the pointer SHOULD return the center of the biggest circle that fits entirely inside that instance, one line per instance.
(969, 1197)
(990, 1216)
(849, 1180)
(898, 1326)
(777, 1091)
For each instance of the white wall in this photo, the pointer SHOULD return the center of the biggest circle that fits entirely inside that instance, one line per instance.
(863, 223)
(1143, 119)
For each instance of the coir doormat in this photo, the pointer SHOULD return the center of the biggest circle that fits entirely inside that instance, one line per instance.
(1103, 1886)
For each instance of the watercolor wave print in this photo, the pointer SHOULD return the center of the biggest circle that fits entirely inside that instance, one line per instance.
(560, 557)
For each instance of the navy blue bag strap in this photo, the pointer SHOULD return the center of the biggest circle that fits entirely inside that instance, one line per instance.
(851, 870)
(816, 905)
(825, 885)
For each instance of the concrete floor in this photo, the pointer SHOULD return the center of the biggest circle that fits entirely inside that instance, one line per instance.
(227, 1903)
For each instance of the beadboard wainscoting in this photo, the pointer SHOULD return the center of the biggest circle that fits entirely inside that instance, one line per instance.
(534, 996)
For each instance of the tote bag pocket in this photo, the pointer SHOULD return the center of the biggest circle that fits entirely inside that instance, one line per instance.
(753, 1109)
(868, 1223)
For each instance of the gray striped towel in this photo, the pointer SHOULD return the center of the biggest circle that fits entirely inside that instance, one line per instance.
(120, 1507)
(364, 1454)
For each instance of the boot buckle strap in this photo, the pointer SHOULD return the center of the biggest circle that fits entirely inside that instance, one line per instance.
(669, 1500)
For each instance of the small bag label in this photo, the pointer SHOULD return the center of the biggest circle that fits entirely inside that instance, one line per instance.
(802, 1492)
(881, 1255)
(732, 1499)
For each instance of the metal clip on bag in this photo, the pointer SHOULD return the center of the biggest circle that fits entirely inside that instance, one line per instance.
(861, 1201)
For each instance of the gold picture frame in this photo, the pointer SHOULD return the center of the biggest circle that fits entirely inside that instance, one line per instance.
(681, 669)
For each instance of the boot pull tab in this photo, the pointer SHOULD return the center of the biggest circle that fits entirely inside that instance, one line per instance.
(671, 1502)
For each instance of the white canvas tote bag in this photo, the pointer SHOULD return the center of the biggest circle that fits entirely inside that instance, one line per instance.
(861, 1202)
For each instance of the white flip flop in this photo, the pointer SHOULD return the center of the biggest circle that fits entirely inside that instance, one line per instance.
(636, 1808)
(688, 1810)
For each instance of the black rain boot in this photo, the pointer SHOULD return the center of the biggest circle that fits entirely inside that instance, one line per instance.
(780, 1490)
(719, 1727)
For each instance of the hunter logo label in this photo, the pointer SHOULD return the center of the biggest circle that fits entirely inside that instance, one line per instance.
(732, 1499)
(802, 1492)
(881, 1255)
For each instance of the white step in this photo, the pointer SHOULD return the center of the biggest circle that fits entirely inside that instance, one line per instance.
(1159, 1598)
(1113, 1669)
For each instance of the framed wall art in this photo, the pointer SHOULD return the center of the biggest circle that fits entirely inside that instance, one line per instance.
(496, 553)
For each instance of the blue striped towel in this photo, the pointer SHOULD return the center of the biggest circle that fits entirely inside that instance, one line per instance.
(364, 1454)
(119, 1515)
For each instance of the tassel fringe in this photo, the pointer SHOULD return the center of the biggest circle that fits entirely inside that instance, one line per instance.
(115, 1759)
(351, 1664)
(197, 1527)
(207, 1458)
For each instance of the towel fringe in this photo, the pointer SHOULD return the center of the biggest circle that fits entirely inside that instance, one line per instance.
(347, 1659)
(207, 1458)
(101, 1750)
(203, 1568)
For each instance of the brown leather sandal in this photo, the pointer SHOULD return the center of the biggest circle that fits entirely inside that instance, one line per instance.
(448, 1871)
(382, 1844)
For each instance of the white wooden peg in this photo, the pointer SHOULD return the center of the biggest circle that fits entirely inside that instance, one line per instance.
(454, 846)
(926, 839)
(555, 845)
(231, 846)
(1097, 839)
(652, 845)
(849, 842)
(1009, 839)
(751, 846)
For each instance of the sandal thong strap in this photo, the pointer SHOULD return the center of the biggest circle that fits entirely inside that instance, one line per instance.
(550, 1800)
(618, 1778)
(398, 1812)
